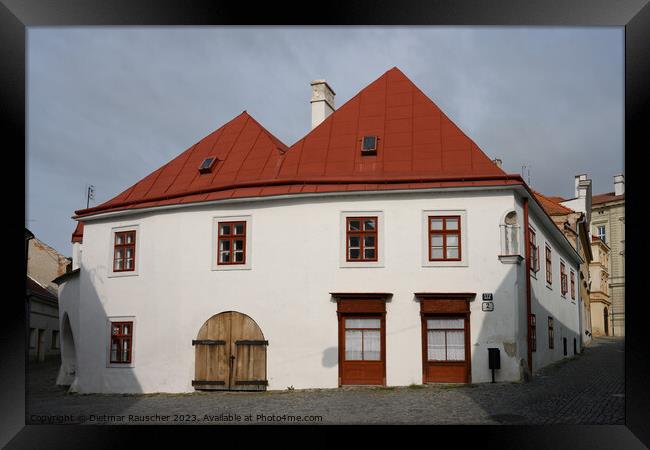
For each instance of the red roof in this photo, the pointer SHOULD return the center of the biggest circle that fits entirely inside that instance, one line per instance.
(608, 197)
(418, 147)
(552, 207)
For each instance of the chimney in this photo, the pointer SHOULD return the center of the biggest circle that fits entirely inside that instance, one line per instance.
(578, 179)
(497, 162)
(619, 184)
(322, 102)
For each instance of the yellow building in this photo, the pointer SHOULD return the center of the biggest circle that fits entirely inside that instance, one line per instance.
(601, 304)
(608, 223)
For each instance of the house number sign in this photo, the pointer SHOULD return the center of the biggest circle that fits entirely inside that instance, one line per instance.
(487, 297)
(488, 306)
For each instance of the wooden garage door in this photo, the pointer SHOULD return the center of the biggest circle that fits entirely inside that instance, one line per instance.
(230, 354)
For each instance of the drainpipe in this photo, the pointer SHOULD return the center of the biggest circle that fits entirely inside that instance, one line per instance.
(583, 219)
(528, 287)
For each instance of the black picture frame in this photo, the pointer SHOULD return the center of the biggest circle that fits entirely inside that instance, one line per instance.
(634, 15)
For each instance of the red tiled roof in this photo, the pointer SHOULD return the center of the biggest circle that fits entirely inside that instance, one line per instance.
(552, 207)
(418, 147)
(608, 197)
(78, 233)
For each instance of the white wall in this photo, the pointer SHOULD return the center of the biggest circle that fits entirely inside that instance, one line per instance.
(295, 265)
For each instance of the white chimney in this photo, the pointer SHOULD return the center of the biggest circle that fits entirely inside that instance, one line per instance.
(578, 179)
(322, 102)
(619, 184)
(582, 200)
(497, 162)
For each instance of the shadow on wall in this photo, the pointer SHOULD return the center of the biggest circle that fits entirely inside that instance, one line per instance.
(85, 359)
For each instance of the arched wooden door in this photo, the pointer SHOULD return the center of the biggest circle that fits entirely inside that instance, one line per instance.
(606, 320)
(230, 354)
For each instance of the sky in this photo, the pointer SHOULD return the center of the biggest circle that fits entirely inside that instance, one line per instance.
(108, 105)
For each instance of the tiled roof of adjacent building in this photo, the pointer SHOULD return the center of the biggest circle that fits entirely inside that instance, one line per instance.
(552, 206)
(418, 147)
(608, 197)
(34, 288)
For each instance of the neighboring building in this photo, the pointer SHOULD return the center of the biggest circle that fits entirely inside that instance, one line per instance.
(575, 227)
(599, 286)
(383, 248)
(608, 223)
(44, 264)
(44, 339)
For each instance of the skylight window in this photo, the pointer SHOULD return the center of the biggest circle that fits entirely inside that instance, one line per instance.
(207, 164)
(369, 145)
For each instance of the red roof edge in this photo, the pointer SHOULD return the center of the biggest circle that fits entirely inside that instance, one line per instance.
(306, 181)
(78, 233)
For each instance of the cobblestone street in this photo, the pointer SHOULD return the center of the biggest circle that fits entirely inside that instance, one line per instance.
(586, 389)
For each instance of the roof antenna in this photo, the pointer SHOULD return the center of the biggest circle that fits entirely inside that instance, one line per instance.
(526, 168)
(90, 193)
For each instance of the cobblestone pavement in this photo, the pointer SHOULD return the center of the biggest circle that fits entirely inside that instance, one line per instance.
(585, 389)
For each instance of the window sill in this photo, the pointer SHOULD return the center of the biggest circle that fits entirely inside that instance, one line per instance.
(120, 366)
(533, 275)
(112, 274)
(549, 286)
(361, 264)
(217, 267)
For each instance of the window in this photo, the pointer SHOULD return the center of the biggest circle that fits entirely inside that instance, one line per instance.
(369, 145)
(121, 340)
(362, 339)
(601, 233)
(573, 285)
(444, 238)
(207, 164)
(533, 332)
(55, 339)
(446, 339)
(563, 279)
(549, 266)
(361, 238)
(534, 251)
(231, 243)
(551, 340)
(124, 254)
(32, 338)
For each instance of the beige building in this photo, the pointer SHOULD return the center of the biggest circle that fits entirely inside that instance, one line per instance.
(608, 223)
(44, 264)
(601, 304)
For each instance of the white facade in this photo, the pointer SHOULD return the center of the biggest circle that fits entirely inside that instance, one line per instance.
(294, 262)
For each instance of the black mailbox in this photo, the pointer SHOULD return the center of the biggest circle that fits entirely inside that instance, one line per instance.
(495, 358)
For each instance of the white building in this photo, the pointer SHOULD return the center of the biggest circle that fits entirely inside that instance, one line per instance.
(359, 255)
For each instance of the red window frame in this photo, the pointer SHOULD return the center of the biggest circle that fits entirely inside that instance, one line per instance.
(119, 336)
(549, 265)
(446, 331)
(231, 238)
(532, 323)
(573, 285)
(534, 251)
(563, 279)
(362, 233)
(551, 337)
(444, 233)
(362, 329)
(124, 247)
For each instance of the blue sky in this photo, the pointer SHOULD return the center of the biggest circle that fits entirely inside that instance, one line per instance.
(108, 105)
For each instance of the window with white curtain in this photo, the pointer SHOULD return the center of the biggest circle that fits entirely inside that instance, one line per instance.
(446, 339)
(362, 339)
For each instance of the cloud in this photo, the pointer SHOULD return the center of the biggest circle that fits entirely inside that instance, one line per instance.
(110, 105)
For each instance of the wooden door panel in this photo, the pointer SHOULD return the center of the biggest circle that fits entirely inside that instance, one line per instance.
(437, 373)
(230, 354)
(362, 373)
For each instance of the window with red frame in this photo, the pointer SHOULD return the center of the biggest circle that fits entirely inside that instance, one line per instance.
(533, 332)
(551, 339)
(361, 238)
(564, 285)
(444, 238)
(231, 243)
(534, 251)
(124, 253)
(549, 266)
(121, 340)
(573, 285)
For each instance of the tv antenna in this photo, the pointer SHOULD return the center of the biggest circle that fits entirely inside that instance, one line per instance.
(90, 194)
(525, 170)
